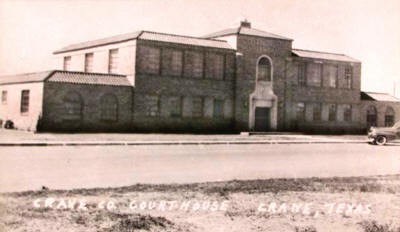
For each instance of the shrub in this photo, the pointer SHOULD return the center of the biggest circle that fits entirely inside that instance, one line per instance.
(9, 124)
(374, 226)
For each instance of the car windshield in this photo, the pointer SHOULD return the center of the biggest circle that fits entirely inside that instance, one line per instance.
(397, 125)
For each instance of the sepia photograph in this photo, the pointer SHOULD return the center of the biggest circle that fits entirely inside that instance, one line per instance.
(200, 115)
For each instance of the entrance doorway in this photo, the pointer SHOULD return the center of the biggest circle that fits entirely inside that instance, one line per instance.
(262, 119)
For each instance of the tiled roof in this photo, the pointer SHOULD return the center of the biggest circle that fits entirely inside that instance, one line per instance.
(147, 35)
(89, 78)
(67, 77)
(245, 31)
(378, 97)
(323, 55)
(155, 36)
(25, 78)
(104, 41)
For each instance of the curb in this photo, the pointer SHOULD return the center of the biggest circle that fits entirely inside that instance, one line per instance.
(144, 143)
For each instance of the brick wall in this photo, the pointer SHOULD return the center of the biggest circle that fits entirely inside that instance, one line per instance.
(251, 48)
(340, 95)
(186, 88)
(381, 108)
(54, 109)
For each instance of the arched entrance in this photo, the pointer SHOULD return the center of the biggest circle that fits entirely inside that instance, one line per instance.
(372, 116)
(263, 101)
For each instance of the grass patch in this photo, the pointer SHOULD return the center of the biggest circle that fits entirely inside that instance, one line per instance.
(374, 184)
(374, 226)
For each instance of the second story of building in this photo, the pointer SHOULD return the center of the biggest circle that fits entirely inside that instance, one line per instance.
(314, 75)
(151, 54)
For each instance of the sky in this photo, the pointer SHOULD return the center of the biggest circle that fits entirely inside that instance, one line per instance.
(368, 30)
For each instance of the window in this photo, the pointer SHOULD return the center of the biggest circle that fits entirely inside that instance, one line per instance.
(218, 111)
(348, 77)
(197, 109)
(113, 61)
(347, 112)
(332, 112)
(215, 66)
(175, 107)
(317, 110)
(24, 101)
(314, 72)
(172, 62)
(300, 111)
(193, 64)
(109, 107)
(149, 61)
(301, 74)
(372, 117)
(264, 70)
(67, 63)
(152, 106)
(331, 72)
(4, 97)
(73, 105)
(389, 117)
(89, 62)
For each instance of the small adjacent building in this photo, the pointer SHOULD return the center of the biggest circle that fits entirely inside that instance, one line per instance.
(238, 79)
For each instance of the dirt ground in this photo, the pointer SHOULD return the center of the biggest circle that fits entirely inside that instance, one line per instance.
(313, 204)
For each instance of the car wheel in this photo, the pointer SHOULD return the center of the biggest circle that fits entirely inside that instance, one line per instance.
(380, 140)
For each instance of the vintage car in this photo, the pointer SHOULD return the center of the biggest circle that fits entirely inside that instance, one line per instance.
(381, 135)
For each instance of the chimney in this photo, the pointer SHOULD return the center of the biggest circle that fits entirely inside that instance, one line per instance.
(245, 23)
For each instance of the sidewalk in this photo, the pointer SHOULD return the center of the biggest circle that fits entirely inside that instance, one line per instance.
(22, 138)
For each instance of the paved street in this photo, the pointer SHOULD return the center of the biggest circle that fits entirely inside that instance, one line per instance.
(28, 168)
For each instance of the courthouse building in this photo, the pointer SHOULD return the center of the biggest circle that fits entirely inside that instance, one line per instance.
(239, 79)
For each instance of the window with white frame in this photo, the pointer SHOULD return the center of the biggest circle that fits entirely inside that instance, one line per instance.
(317, 111)
(218, 111)
(197, 108)
(215, 66)
(301, 74)
(372, 116)
(389, 117)
(194, 62)
(314, 74)
(347, 112)
(152, 106)
(300, 111)
(172, 62)
(149, 61)
(175, 104)
(332, 112)
(331, 72)
(348, 77)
